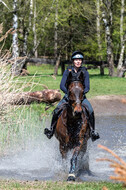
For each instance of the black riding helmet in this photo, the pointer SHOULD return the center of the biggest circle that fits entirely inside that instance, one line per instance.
(77, 55)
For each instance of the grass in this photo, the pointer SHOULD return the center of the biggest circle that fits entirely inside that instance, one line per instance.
(105, 85)
(99, 85)
(11, 185)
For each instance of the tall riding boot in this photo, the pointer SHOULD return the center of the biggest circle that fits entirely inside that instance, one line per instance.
(93, 134)
(49, 132)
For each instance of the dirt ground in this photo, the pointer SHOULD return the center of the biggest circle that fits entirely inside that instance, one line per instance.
(109, 105)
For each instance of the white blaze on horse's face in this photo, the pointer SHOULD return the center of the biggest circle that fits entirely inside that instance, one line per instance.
(76, 97)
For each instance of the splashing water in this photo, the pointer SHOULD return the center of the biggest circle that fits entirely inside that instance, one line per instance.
(41, 159)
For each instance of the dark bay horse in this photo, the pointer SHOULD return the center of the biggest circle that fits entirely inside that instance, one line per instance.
(72, 128)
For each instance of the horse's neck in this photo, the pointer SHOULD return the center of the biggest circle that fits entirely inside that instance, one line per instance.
(69, 112)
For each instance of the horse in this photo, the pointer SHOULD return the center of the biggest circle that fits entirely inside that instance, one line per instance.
(72, 129)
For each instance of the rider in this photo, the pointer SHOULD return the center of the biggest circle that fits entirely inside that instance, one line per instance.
(77, 59)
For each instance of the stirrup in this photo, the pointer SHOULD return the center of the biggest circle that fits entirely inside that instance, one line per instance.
(94, 136)
(48, 133)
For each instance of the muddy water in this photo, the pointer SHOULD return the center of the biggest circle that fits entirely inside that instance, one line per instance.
(42, 161)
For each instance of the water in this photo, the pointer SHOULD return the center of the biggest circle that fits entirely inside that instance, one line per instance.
(42, 160)
(113, 135)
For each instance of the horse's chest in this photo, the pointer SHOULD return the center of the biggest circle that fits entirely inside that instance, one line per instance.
(74, 128)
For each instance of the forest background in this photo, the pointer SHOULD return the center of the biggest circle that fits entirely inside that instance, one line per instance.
(54, 29)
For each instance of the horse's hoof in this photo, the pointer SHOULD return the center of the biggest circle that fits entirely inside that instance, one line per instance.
(71, 177)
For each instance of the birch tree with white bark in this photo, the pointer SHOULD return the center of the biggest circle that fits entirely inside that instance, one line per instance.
(56, 56)
(120, 70)
(15, 50)
(27, 29)
(98, 24)
(107, 20)
(34, 30)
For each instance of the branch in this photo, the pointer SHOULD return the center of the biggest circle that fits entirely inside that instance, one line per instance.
(4, 4)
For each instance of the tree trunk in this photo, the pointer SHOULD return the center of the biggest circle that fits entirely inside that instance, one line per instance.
(25, 42)
(31, 13)
(34, 31)
(56, 29)
(121, 21)
(15, 50)
(48, 96)
(99, 37)
(107, 19)
(120, 69)
(110, 53)
(57, 64)
(15, 35)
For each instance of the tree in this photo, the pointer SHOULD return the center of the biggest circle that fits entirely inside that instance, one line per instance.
(15, 51)
(54, 29)
(120, 70)
(107, 19)
(34, 30)
(99, 37)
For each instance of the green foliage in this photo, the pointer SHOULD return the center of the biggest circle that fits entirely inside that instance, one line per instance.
(76, 27)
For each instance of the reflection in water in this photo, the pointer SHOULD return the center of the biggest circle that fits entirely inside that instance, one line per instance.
(42, 160)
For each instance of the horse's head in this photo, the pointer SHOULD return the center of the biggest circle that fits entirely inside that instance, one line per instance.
(75, 93)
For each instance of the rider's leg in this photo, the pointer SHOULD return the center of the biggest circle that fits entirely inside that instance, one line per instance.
(94, 135)
(49, 132)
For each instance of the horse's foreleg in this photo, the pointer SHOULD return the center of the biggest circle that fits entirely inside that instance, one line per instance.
(71, 176)
(73, 161)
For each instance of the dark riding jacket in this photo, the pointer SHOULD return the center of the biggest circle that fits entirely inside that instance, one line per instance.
(86, 81)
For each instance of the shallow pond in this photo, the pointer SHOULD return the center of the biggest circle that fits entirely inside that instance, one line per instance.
(42, 161)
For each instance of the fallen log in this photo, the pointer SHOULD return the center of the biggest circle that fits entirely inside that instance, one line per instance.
(47, 96)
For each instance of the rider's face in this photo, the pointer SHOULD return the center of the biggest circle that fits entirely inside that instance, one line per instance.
(77, 62)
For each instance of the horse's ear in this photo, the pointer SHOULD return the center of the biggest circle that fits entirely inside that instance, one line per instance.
(81, 76)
